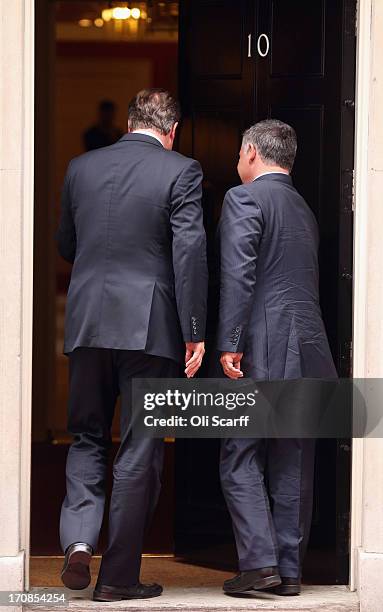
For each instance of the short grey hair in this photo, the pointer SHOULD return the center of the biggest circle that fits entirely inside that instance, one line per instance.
(154, 109)
(275, 142)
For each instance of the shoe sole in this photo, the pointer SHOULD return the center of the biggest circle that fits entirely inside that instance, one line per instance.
(109, 597)
(263, 583)
(76, 574)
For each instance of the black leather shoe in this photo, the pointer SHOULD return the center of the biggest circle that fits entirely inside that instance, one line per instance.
(254, 580)
(103, 592)
(288, 586)
(75, 573)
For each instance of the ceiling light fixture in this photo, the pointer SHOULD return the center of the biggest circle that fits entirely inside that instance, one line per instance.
(85, 23)
(121, 12)
(136, 13)
(107, 14)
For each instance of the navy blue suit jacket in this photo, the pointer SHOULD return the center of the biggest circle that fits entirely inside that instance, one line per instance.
(131, 224)
(269, 297)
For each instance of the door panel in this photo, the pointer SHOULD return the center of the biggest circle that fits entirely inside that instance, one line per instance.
(216, 86)
(216, 133)
(308, 80)
(298, 28)
(303, 71)
(217, 97)
(299, 66)
(223, 56)
(308, 124)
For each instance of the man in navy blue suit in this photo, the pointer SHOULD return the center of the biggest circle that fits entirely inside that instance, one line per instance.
(270, 328)
(131, 224)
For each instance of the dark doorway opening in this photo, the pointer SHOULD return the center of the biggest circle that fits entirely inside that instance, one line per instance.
(85, 58)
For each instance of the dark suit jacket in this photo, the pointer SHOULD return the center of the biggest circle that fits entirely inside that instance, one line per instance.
(131, 223)
(269, 298)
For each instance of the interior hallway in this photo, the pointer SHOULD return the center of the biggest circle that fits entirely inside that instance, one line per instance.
(45, 571)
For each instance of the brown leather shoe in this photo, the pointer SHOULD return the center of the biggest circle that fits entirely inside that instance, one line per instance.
(75, 573)
(253, 580)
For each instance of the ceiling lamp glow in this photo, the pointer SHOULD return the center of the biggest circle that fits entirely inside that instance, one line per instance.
(85, 23)
(136, 13)
(121, 12)
(107, 14)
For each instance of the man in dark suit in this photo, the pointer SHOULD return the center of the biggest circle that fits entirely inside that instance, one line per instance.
(270, 328)
(131, 224)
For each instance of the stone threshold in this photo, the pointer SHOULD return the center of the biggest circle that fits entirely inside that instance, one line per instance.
(330, 598)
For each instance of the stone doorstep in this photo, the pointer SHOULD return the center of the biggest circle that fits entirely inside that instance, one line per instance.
(331, 598)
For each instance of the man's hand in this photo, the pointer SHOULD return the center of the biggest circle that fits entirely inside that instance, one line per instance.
(231, 364)
(193, 357)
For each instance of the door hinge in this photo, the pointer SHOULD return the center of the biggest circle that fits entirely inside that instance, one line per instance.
(346, 359)
(350, 18)
(348, 190)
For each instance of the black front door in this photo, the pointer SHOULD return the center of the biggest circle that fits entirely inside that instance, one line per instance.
(216, 79)
(239, 63)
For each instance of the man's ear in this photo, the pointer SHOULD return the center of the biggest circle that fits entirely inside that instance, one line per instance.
(251, 152)
(173, 131)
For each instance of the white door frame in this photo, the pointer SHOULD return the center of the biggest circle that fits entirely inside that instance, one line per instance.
(27, 278)
(360, 268)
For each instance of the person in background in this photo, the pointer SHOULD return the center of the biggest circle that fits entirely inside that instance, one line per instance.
(104, 132)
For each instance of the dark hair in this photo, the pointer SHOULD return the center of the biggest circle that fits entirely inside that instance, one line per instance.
(275, 141)
(155, 109)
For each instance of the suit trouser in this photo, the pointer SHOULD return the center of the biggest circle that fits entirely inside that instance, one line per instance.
(97, 377)
(268, 487)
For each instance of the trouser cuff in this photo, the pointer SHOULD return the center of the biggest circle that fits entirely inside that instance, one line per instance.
(289, 571)
(246, 565)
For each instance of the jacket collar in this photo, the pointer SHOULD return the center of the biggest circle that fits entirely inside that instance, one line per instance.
(134, 136)
(275, 176)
